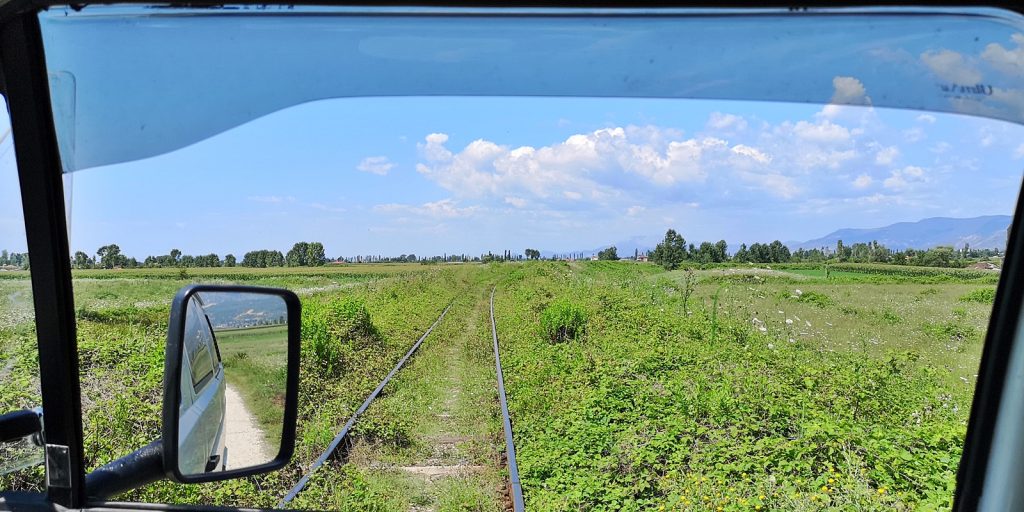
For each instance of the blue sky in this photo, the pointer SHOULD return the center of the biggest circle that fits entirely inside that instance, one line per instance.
(440, 174)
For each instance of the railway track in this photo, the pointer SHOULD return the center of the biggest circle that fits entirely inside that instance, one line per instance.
(514, 493)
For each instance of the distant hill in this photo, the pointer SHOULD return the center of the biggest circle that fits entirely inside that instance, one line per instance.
(987, 232)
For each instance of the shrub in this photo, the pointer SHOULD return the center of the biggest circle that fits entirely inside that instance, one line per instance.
(329, 329)
(563, 320)
(816, 298)
(983, 295)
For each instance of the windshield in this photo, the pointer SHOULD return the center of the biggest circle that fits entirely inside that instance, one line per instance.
(727, 272)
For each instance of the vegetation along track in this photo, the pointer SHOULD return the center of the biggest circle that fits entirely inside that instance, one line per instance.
(333, 447)
(431, 440)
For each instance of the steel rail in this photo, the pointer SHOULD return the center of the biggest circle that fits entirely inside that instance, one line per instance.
(331, 448)
(510, 449)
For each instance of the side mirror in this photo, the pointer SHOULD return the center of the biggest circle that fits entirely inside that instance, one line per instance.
(231, 378)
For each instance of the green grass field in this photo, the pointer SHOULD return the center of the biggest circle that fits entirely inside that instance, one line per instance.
(630, 388)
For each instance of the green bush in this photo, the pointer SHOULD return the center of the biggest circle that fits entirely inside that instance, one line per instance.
(563, 320)
(330, 329)
(983, 295)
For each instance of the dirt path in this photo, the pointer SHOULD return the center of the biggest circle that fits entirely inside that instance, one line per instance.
(245, 442)
(449, 413)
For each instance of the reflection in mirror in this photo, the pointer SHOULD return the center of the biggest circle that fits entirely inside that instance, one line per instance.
(233, 381)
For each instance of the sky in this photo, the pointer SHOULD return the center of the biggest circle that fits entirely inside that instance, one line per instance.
(429, 175)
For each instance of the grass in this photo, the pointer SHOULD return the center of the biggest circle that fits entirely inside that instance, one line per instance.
(699, 406)
(732, 387)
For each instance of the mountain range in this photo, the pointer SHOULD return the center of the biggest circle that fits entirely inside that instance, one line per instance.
(986, 232)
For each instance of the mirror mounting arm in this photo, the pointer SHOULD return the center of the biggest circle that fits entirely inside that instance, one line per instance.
(134, 470)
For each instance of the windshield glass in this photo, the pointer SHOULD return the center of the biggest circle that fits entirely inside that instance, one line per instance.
(721, 278)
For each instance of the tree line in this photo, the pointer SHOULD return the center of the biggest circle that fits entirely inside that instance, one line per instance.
(14, 259)
(673, 251)
(302, 254)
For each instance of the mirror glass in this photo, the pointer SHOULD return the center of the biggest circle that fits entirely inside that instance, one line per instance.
(233, 381)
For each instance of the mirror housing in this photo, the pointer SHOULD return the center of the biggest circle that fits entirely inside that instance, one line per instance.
(174, 360)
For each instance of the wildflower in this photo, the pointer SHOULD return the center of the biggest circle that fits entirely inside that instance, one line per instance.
(824, 488)
(761, 497)
(789, 321)
(831, 481)
(881, 490)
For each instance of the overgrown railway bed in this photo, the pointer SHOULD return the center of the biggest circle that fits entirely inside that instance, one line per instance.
(342, 442)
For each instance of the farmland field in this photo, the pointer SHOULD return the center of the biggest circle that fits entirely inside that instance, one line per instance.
(732, 388)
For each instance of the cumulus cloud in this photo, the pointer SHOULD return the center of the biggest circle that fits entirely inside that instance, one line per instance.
(862, 181)
(926, 118)
(901, 179)
(824, 131)
(485, 168)
(886, 155)
(726, 122)
(1019, 152)
(379, 165)
(619, 167)
(951, 66)
(1008, 61)
(849, 91)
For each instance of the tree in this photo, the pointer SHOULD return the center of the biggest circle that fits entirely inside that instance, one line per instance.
(315, 255)
(533, 254)
(82, 260)
(721, 251)
(109, 256)
(671, 252)
(229, 260)
(297, 256)
(742, 255)
(610, 253)
(175, 254)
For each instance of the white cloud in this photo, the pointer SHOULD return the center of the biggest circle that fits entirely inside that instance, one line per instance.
(433, 149)
(951, 66)
(1019, 152)
(379, 165)
(635, 210)
(1007, 61)
(862, 181)
(886, 156)
(441, 209)
(824, 131)
(849, 91)
(901, 179)
(726, 122)
(575, 196)
(752, 153)
(926, 118)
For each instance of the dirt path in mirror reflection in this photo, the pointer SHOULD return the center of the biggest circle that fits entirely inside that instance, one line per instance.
(245, 442)
(442, 410)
